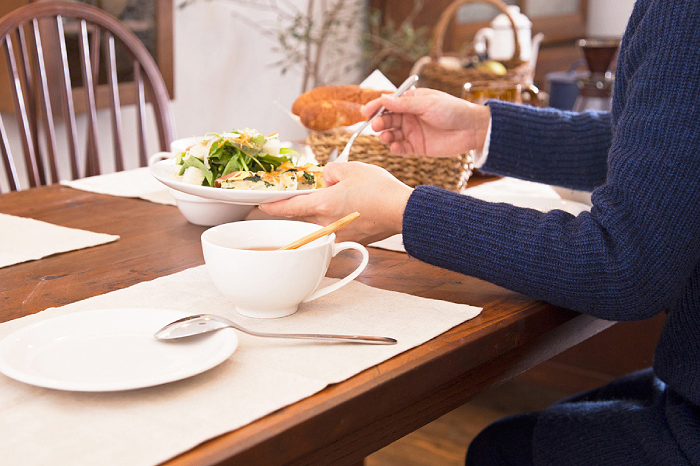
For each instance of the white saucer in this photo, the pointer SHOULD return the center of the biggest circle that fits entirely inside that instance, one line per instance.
(109, 350)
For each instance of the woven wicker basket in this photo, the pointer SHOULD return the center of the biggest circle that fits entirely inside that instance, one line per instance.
(450, 173)
(449, 79)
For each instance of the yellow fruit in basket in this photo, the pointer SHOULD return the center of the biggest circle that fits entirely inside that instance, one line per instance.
(492, 66)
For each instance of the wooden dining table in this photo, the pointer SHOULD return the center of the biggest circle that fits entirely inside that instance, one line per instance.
(347, 421)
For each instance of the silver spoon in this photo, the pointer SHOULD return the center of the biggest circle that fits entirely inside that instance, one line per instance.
(203, 323)
(343, 157)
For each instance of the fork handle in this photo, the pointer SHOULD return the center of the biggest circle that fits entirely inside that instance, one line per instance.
(410, 81)
(345, 154)
(406, 85)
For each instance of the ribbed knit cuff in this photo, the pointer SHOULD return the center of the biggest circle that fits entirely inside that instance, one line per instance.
(549, 146)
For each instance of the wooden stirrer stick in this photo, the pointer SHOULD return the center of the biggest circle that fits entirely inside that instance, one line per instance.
(327, 230)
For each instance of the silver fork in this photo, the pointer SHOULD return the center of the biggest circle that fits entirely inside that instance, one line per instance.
(343, 157)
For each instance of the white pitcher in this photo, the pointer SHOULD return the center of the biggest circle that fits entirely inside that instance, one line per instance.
(500, 36)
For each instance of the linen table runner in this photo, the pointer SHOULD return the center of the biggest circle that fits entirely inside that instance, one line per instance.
(148, 426)
(25, 239)
(137, 183)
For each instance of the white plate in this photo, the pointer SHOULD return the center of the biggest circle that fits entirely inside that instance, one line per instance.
(165, 171)
(108, 350)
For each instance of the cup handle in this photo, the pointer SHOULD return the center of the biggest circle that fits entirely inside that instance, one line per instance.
(534, 93)
(339, 284)
(158, 156)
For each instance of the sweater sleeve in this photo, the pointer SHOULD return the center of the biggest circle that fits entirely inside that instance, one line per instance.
(548, 145)
(631, 256)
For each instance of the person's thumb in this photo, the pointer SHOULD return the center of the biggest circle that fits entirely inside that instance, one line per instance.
(334, 172)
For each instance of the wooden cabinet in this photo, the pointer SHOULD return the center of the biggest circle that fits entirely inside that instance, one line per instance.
(150, 20)
(561, 21)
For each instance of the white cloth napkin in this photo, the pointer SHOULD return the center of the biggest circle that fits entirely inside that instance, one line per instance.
(392, 243)
(148, 426)
(25, 239)
(521, 193)
(136, 183)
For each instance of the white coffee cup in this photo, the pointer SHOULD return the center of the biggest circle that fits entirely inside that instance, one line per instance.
(272, 283)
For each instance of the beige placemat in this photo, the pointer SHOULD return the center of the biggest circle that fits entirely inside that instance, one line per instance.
(136, 183)
(145, 427)
(25, 239)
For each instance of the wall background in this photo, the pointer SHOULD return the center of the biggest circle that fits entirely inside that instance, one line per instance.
(606, 18)
(234, 86)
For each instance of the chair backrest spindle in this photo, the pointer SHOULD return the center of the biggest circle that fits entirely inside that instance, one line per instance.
(8, 161)
(114, 103)
(47, 111)
(67, 100)
(27, 81)
(22, 116)
(141, 110)
(92, 166)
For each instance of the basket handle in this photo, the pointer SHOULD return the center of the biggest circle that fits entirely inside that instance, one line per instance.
(436, 51)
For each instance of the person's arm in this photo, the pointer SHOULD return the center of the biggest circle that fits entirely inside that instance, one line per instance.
(549, 146)
(545, 145)
(633, 254)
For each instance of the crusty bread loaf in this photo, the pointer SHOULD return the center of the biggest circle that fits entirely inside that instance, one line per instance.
(348, 93)
(326, 114)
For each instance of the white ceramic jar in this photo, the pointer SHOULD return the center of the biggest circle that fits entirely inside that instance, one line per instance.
(499, 36)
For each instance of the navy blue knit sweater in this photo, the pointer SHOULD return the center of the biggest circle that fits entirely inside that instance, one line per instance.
(636, 254)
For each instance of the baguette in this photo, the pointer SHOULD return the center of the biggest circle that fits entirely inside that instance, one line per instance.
(326, 114)
(348, 93)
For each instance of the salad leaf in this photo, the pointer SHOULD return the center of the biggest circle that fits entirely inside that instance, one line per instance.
(195, 162)
(235, 151)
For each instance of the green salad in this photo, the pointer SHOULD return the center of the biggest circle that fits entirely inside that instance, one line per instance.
(218, 155)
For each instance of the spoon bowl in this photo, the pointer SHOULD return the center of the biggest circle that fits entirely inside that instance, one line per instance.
(203, 323)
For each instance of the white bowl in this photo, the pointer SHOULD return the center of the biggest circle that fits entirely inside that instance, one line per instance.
(199, 210)
(181, 145)
(209, 212)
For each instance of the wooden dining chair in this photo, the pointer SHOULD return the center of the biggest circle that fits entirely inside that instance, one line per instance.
(46, 103)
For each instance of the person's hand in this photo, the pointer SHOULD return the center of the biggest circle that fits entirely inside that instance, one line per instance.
(429, 122)
(377, 195)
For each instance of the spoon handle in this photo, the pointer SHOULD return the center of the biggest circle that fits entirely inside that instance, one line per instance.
(327, 230)
(200, 323)
(321, 336)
